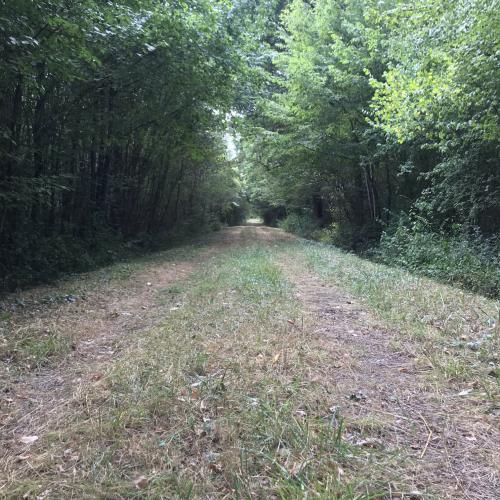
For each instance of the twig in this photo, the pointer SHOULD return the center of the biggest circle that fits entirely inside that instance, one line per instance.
(428, 437)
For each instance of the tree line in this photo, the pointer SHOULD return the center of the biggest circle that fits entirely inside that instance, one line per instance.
(377, 126)
(112, 122)
(369, 124)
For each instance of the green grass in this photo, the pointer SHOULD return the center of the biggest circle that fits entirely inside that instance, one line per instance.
(217, 402)
(437, 320)
(33, 348)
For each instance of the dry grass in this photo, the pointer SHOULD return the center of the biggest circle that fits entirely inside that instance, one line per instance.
(453, 332)
(220, 401)
(255, 378)
(419, 367)
(39, 327)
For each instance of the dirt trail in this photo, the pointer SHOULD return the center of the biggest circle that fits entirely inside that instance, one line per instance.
(452, 447)
(99, 328)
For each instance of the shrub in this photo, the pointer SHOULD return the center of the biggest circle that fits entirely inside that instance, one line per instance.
(303, 225)
(464, 257)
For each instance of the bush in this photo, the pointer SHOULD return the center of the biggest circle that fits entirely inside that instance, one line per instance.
(303, 225)
(272, 216)
(234, 214)
(348, 236)
(465, 257)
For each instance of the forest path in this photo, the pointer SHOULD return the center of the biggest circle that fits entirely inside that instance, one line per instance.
(414, 438)
(107, 312)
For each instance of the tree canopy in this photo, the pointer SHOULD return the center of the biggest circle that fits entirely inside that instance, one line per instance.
(353, 116)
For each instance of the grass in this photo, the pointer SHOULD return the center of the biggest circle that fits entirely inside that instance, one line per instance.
(217, 402)
(33, 348)
(53, 311)
(454, 332)
(232, 396)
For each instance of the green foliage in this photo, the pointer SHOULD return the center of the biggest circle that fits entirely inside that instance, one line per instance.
(371, 109)
(115, 117)
(467, 259)
(112, 124)
(303, 225)
(306, 139)
(441, 91)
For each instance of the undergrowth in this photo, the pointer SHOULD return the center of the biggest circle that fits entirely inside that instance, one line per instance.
(466, 259)
(42, 259)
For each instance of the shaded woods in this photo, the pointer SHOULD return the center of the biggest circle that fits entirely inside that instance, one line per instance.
(111, 126)
(377, 121)
(372, 125)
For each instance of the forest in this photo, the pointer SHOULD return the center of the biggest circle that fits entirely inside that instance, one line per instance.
(377, 129)
(250, 249)
(370, 125)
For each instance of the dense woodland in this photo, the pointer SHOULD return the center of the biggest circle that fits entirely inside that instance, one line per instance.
(369, 124)
(112, 125)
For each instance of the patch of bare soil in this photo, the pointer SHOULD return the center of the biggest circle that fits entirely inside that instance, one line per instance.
(451, 444)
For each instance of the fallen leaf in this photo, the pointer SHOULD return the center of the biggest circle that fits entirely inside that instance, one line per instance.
(217, 468)
(370, 443)
(44, 495)
(276, 358)
(414, 495)
(199, 431)
(141, 482)
(28, 439)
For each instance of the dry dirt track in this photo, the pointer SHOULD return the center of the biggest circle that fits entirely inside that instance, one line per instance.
(453, 451)
(99, 327)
